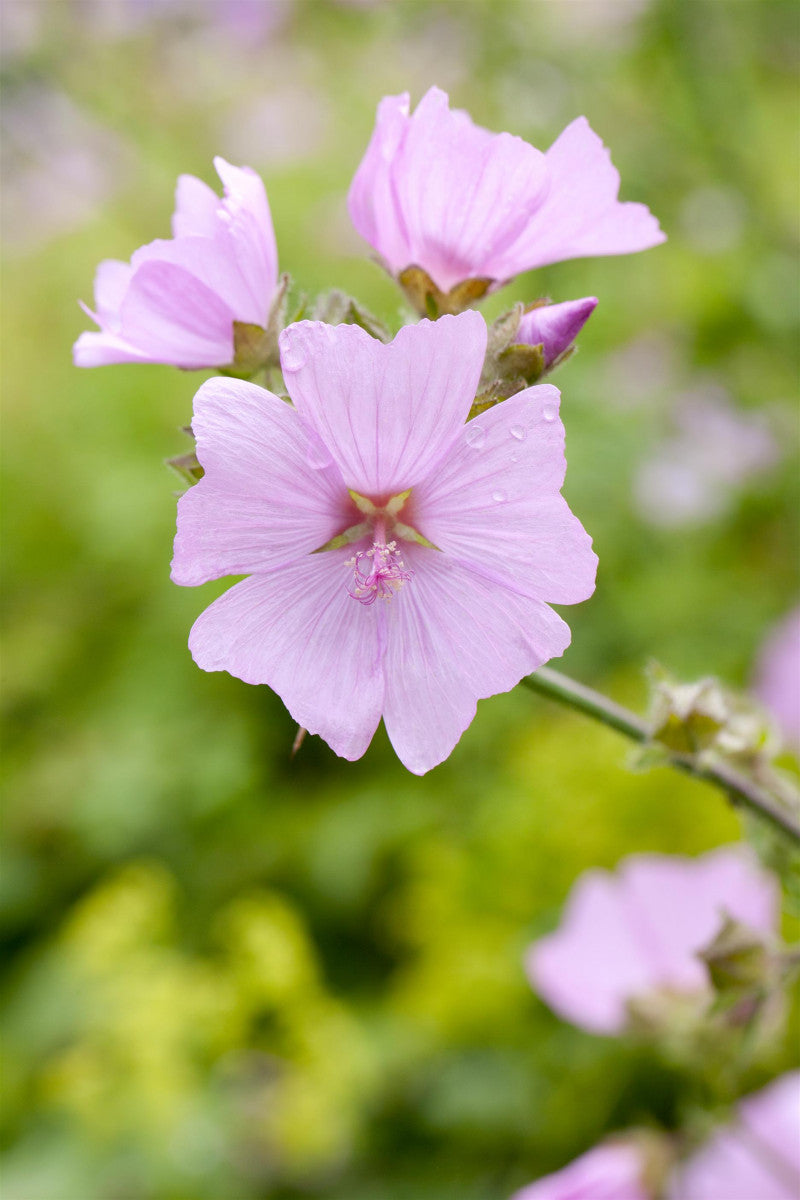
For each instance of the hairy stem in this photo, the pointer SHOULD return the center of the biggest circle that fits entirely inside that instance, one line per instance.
(739, 788)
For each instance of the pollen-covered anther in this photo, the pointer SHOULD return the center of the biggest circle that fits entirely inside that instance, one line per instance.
(377, 573)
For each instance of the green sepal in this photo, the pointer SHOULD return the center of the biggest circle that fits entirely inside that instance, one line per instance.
(430, 301)
(186, 467)
(337, 308)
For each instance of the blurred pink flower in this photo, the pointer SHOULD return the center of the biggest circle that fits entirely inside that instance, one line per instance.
(555, 326)
(756, 1157)
(693, 476)
(608, 1172)
(627, 935)
(778, 677)
(375, 467)
(177, 299)
(436, 191)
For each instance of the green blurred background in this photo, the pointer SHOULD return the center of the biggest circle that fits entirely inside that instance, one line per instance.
(230, 975)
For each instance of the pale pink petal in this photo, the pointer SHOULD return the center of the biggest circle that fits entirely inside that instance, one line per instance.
(778, 677)
(103, 349)
(676, 906)
(756, 1157)
(175, 318)
(111, 282)
(494, 503)
(581, 214)
(453, 639)
(196, 206)
(299, 631)
(263, 500)
(248, 222)
(465, 194)
(371, 201)
(629, 936)
(387, 413)
(214, 264)
(555, 326)
(608, 1172)
(588, 969)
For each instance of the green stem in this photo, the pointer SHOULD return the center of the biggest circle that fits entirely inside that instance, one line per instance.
(739, 789)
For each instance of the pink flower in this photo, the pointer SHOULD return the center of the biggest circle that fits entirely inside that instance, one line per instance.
(372, 489)
(555, 326)
(626, 936)
(177, 299)
(608, 1172)
(778, 677)
(756, 1157)
(436, 191)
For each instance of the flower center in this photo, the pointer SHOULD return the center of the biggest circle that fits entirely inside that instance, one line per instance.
(377, 573)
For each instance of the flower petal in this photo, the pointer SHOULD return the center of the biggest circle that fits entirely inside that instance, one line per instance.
(465, 194)
(298, 631)
(371, 200)
(196, 206)
(494, 504)
(111, 282)
(555, 326)
(697, 891)
(248, 221)
(580, 214)
(593, 963)
(214, 262)
(453, 639)
(103, 349)
(387, 413)
(262, 501)
(175, 318)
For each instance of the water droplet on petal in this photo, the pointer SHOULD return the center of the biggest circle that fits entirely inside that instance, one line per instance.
(474, 435)
(499, 497)
(517, 432)
(549, 412)
(292, 357)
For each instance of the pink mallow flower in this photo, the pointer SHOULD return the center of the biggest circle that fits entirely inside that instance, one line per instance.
(554, 327)
(401, 562)
(176, 301)
(630, 935)
(756, 1157)
(777, 682)
(438, 192)
(611, 1171)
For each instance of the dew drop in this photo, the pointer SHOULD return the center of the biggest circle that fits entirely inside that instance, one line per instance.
(517, 432)
(499, 497)
(474, 435)
(292, 358)
(549, 412)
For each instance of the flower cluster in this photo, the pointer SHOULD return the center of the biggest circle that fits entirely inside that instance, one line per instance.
(372, 484)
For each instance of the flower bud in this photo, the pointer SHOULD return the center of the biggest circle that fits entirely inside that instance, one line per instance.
(554, 327)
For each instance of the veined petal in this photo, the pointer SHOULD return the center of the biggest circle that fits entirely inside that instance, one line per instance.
(111, 282)
(213, 262)
(580, 214)
(452, 639)
(494, 504)
(465, 194)
(196, 207)
(298, 631)
(175, 318)
(101, 349)
(247, 218)
(262, 500)
(371, 200)
(388, 413)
